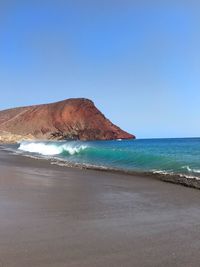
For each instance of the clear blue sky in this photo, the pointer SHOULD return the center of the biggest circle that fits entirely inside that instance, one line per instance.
(139, 61)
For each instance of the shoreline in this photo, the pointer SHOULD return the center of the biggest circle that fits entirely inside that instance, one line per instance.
(55, 216)
(179, 179)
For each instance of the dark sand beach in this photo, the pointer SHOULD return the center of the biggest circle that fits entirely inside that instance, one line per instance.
(58, 216)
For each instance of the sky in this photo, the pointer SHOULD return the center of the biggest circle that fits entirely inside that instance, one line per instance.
(139, 61)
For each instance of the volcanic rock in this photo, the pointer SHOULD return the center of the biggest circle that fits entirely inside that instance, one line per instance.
(71, 119)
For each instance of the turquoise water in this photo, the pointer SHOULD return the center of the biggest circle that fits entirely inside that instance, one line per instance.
(172, 156)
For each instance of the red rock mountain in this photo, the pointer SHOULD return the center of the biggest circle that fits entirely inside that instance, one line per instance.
(68, 119)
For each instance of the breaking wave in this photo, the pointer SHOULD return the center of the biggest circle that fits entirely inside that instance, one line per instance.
(51, 149)
(162, 157)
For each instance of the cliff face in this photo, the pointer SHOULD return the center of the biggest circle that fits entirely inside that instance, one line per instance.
(68, 119)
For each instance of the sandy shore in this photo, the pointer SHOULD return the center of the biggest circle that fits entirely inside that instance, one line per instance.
(57, 216)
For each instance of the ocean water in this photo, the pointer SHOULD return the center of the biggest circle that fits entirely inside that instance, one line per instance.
(164, 156)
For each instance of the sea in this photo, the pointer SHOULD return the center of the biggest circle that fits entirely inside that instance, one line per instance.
(177, 156)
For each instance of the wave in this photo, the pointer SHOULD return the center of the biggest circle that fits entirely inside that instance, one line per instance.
(174, 174)
(168, 161)
(51, 149)
(124, 155)
(191, 170)
(96, 154)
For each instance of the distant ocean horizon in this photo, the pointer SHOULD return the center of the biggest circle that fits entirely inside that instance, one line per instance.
(167, 156)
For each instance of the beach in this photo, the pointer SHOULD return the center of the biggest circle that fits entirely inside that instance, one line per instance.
(58, 216)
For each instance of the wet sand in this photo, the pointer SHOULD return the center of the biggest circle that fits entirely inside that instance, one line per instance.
(58, 216)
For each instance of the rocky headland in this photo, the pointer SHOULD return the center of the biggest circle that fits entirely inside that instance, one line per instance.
(71, 119)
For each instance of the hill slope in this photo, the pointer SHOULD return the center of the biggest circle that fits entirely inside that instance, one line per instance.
(76, 118)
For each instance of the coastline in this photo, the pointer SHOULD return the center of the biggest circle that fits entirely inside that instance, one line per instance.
(180, 179)
(59, 216)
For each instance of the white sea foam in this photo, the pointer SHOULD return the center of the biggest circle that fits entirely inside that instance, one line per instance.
(178, 174)
(191, 169)
(50, 149)
(162, 172)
